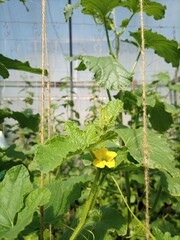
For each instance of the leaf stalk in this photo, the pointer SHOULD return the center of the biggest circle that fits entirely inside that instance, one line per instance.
(89, 204)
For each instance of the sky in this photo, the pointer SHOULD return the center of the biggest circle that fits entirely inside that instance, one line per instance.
(20, 38)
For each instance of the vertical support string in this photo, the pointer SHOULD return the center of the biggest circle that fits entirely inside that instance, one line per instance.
(49, 91)
(48, 109)
(43, 105)
(145, 141)
(71, 63)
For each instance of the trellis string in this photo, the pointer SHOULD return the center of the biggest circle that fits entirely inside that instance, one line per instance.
(145, 141)
(43, 103)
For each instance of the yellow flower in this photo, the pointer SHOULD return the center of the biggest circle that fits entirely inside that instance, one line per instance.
(104, 158)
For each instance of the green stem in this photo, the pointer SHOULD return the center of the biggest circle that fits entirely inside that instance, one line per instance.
(108, 40)
(140, 223)
(109, 95)
(89, 203)
(128, 192)
(117, 39)
(135, 64)
(97, 193)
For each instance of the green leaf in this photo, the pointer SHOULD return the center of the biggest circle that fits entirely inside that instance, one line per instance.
(106, 221)
(2, 1)
(18, 202)
(52, 153)
(69, 8)
(165, 48)
(7, 63)
(160, 119)
(108, 114)
(5, 113)
(36, 198)
(154, 9)
(163, 236)
(25, 118)
(63, 194)
(107, 71)
(98, 9)
(3, 71)
(81, 138)
(163, 77)
(175, 87)
(171, 183)
(160, 155)
(129, 100)
(13, 189)
(12, 154)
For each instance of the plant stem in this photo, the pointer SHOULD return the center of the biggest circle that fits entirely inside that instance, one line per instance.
(142, 225)
(128, 193)
(136, 62)
(89, 204)
(109, 95)
(97, 192)
(108, 40)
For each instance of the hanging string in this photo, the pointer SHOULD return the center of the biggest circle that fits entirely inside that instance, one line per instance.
(43, 105)
(145, 141)
(49, 92)
(48, 109)
(43, 69)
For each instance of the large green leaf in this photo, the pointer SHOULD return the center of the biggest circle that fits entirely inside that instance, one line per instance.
(160, 155)
(18, 202)
(165, 48)
(52, 153)
(13, 189)
(8, 63)
(63, 194)
(107, 71)
(36, 198)
(154, 9)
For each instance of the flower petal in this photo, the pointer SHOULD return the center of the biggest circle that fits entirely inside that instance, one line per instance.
(101, 153)
(110, 155)
(110, 164)
(99, 163)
